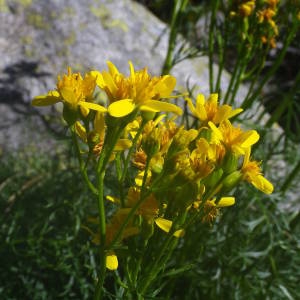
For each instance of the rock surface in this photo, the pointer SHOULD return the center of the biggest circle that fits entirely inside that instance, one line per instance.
(39, 39)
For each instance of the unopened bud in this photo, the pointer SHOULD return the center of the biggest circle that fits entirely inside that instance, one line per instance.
(151, 142)
(230, 163)
(147, 115)
(70, 115)
(212, 179)
(231, 180)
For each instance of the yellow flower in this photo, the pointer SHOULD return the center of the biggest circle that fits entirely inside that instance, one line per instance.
(246, 9)
(252, 173)
(97, 135)
(111, 261)
(148, 209)
(266, 15)
(115, 224)
(202, 159)
(112, 229)
(210, 110)
(138, 90)
(74, 91)
(233, 138)
(166, 226)
(211, 208)
(272, 3)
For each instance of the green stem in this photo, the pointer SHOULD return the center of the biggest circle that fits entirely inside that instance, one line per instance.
(102, 228)
(119, 176)
(139, 263)
(168, 246)
(82, 166)
(164, 253)
(221, 44)
(179, 6)
(211, 44)
(111, 139)
(240, 76)
(235, 74)
(249, 101)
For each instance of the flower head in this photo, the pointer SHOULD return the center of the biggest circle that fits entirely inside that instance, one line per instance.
(138, 90)
(252, 173)
(233, 138)
(74, 91)
(246, 8)
(210, 110)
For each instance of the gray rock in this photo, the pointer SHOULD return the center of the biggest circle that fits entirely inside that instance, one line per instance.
(39, 39)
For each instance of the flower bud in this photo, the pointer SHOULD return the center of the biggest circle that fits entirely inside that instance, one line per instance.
(185, 196)
(181, 141)
(70, 115)
(147, 115)
(230, 163)
(212, 179)
(151, 142)
(231, 180)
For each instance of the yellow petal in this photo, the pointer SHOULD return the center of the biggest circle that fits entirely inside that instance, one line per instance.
(226, 201)
(179, 233)
(139, 177)
(216, 131)
(92, 106)
(200, 109)
(222, 114)
(165, 86)
(166, 225)
(123, 144)
(263, 184)
(246, 157)
(213, 98)
(109, 82)
(249, 138)
(80, 130)
(156, 106)
(235, 112)
(191, 106)
(99, 124)
(112, 68)
(113, 199)
(99, 78)
(111, 261)
(200, 100)
(45, 100)
(85, 111)
(121, 108)
(132, 73)
(69, 95)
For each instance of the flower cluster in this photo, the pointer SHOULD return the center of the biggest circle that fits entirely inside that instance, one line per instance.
(176, 176)
(258, 16)
(127, 95)
(266, 16)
